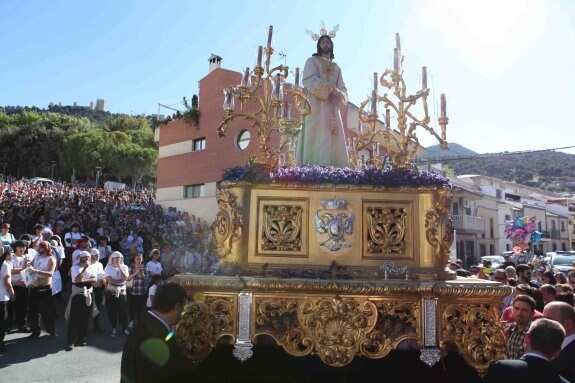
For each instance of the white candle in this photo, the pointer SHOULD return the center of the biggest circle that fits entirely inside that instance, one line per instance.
(424, 77)
(443, 105)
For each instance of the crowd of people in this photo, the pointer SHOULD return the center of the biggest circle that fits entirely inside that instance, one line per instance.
(538, 318)
(102, 248)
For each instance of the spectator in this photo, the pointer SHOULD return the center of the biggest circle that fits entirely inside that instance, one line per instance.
(524, 274)
(548, 293)
(154, 267)
(523, 309)
(6, 291)
(18, 308)
(549, 278)
(166, 363)
(116, 274)
(543, 343)
(139, 290)
(507, 315)
(5, 236)
(41, 301)
(98, 286)
(564, 314)
(81, 301)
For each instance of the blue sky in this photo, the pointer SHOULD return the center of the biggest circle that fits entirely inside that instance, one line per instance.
(506, 66)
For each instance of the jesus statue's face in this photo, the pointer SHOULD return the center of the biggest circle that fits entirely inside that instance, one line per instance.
(325, 45)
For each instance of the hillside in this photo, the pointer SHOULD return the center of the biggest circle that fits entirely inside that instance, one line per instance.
(549, 170)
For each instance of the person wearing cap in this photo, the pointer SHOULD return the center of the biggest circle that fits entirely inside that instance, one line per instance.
(19, 307)
(41, 300)
(98, 287)
(83, 244)
(81, 302)
(116, 275)
(6, 291)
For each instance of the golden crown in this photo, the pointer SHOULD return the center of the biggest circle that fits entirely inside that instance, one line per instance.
(323, 32)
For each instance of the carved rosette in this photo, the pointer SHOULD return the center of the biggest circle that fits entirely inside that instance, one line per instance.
(386, 230)
(337, 326)
(282, 228)
(229, 222)
(475, 330)
(396, 321)
(203, 323)
(277, 317)
(438, 227)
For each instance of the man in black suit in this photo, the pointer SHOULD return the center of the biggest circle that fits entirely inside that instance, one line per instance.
(151, 353)
(542, 343)
(564, 313)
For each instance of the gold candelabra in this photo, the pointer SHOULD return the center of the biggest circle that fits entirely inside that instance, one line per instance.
(273, 108)
(401, 145)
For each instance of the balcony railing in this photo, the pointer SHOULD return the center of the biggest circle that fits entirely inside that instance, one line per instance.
(555, 234)
(463, 222)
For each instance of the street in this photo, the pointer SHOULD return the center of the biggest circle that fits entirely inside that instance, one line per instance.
(45, 360)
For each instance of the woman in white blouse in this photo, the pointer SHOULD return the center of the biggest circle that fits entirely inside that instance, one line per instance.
(116, 274)
(81, 301)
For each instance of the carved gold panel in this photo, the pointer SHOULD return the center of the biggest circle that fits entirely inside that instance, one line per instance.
(474, 328)
(281, 224)
(206, 319)
(388, 230)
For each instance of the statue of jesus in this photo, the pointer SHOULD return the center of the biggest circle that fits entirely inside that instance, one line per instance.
(322, 139)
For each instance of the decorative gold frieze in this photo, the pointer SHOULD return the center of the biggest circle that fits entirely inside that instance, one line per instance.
(229, 222)
(204, 322)
(277, 317)
(439, 229)
(282, 228)
(474, 329)
(396, 322)
(386, 229)
(337, 326)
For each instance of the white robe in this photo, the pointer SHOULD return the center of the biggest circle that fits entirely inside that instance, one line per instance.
(322, 139)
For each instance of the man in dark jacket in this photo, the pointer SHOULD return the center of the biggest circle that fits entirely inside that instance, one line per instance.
(542, 343)
(151, 353)
(564, 313)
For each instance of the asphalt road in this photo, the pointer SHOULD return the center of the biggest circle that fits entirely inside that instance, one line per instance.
(45, 360)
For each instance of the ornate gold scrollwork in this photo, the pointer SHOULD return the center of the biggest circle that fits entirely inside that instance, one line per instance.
(386, 230)
(282, 228)
(278, 318)
(439, 229)
(475, 329)
(337, 326)
(228, 223)
(396, 321)
(203, 323)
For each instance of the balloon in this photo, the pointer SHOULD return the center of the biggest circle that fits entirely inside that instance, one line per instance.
(530, 226)
(536, 237)
(518, 222)
(516, 250)
(523, 246)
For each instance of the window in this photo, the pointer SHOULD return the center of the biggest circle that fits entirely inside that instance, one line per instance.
(491, 226)
(243, 139)
(199, 144)
(194, 191)
(491, 249)
(498, 193)
(482, 250)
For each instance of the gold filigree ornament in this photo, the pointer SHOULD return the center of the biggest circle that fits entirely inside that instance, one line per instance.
(228, 222)
(475, 330)
(282, 228)
(396, 322)
(277, 317)
(386, 230)
(323, 32)
(439, 228)
(202, 324)
(337, 326)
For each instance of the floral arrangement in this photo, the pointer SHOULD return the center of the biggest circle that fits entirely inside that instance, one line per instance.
(309, 175)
